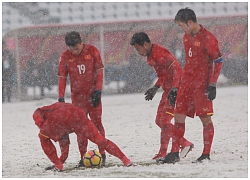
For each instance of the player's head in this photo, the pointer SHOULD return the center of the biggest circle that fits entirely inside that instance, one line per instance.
(141, 43)
(38, 118)
(74, 42)
(184, 15)
(186, 19)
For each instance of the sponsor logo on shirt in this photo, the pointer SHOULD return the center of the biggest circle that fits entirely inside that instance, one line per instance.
(71, 60)
(205, 109)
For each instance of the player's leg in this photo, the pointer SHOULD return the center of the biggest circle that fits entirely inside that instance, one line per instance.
(82, 146)
(208, 134)
(204, 109)
(64, 146)
(96, 117)
(92, 133)
(50, 151)
(183, 108)
(163, 120)
(114, 150)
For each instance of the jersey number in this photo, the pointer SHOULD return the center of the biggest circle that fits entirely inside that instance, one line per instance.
(190, 52)
(81, 68)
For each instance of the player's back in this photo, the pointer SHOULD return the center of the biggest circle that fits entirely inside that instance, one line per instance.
(64, 114)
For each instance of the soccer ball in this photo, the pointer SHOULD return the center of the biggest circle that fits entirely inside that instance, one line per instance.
(92, 158)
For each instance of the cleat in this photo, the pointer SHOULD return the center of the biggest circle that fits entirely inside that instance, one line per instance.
(186, 149)
(131, 164)
(201, 158)
(159, 156)
(170, 158)
(49, 168)
(57, 170)
(126, 161)
(103, 159)
(128, 164)
(80, 164)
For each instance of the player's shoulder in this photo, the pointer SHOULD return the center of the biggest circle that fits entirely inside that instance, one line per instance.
(66, 55)
(159, 49)
(90, 47)
(208, 34)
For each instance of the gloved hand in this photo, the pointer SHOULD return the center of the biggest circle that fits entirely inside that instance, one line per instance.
(172, 96)
(96, 98)
(61, 99)
(211, 92)
(151, 93)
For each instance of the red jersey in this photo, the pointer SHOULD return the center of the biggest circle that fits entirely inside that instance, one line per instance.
(62, 119)
(82, 70)
(201, 51)
(166, 66)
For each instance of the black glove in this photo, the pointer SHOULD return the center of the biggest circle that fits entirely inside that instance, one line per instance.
(172, 96)
(151, 93)
(96, 98)
(211, 92)
(61, 100)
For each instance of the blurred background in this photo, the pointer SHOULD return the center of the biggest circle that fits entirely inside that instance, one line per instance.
(33, 33)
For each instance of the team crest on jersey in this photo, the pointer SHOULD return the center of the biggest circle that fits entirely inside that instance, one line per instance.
(196, 43)
(87, 56)
(71, 60)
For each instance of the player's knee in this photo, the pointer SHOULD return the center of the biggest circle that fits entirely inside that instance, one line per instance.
(206, 120)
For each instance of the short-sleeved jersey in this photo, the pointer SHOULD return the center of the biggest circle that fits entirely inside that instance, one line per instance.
(166, 66)
(81, 69)
(201, 51)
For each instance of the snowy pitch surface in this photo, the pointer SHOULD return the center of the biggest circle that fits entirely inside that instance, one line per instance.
(129, 122)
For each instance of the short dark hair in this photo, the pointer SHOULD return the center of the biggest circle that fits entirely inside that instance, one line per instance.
(185, 14)
(72, 38)
(139, 38)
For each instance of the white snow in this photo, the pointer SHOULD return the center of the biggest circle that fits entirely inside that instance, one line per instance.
(129, 122)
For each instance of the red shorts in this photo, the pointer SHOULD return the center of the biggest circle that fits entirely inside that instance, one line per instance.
(192, 101)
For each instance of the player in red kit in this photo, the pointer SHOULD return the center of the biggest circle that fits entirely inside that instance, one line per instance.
(82, 62)
(57, 121)
(198, 83)
(168, 70)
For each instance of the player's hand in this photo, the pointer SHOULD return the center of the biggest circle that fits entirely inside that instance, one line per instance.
(61, 100)
(211, 92)
(172, 96)
(96, 98)
(151, 93)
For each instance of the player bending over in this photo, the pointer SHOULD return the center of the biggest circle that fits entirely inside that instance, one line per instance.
(57, 121)
(168, 70)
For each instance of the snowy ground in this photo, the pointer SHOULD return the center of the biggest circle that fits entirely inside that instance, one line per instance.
(129, 122)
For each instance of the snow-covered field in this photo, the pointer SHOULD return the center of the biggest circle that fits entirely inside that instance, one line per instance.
(129, 122)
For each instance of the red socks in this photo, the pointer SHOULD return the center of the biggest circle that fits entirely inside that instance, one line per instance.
(208, 134)
(178, 133)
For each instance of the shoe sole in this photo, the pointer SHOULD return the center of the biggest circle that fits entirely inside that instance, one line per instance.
(196, 161)
(162, 161)
(186, 150)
